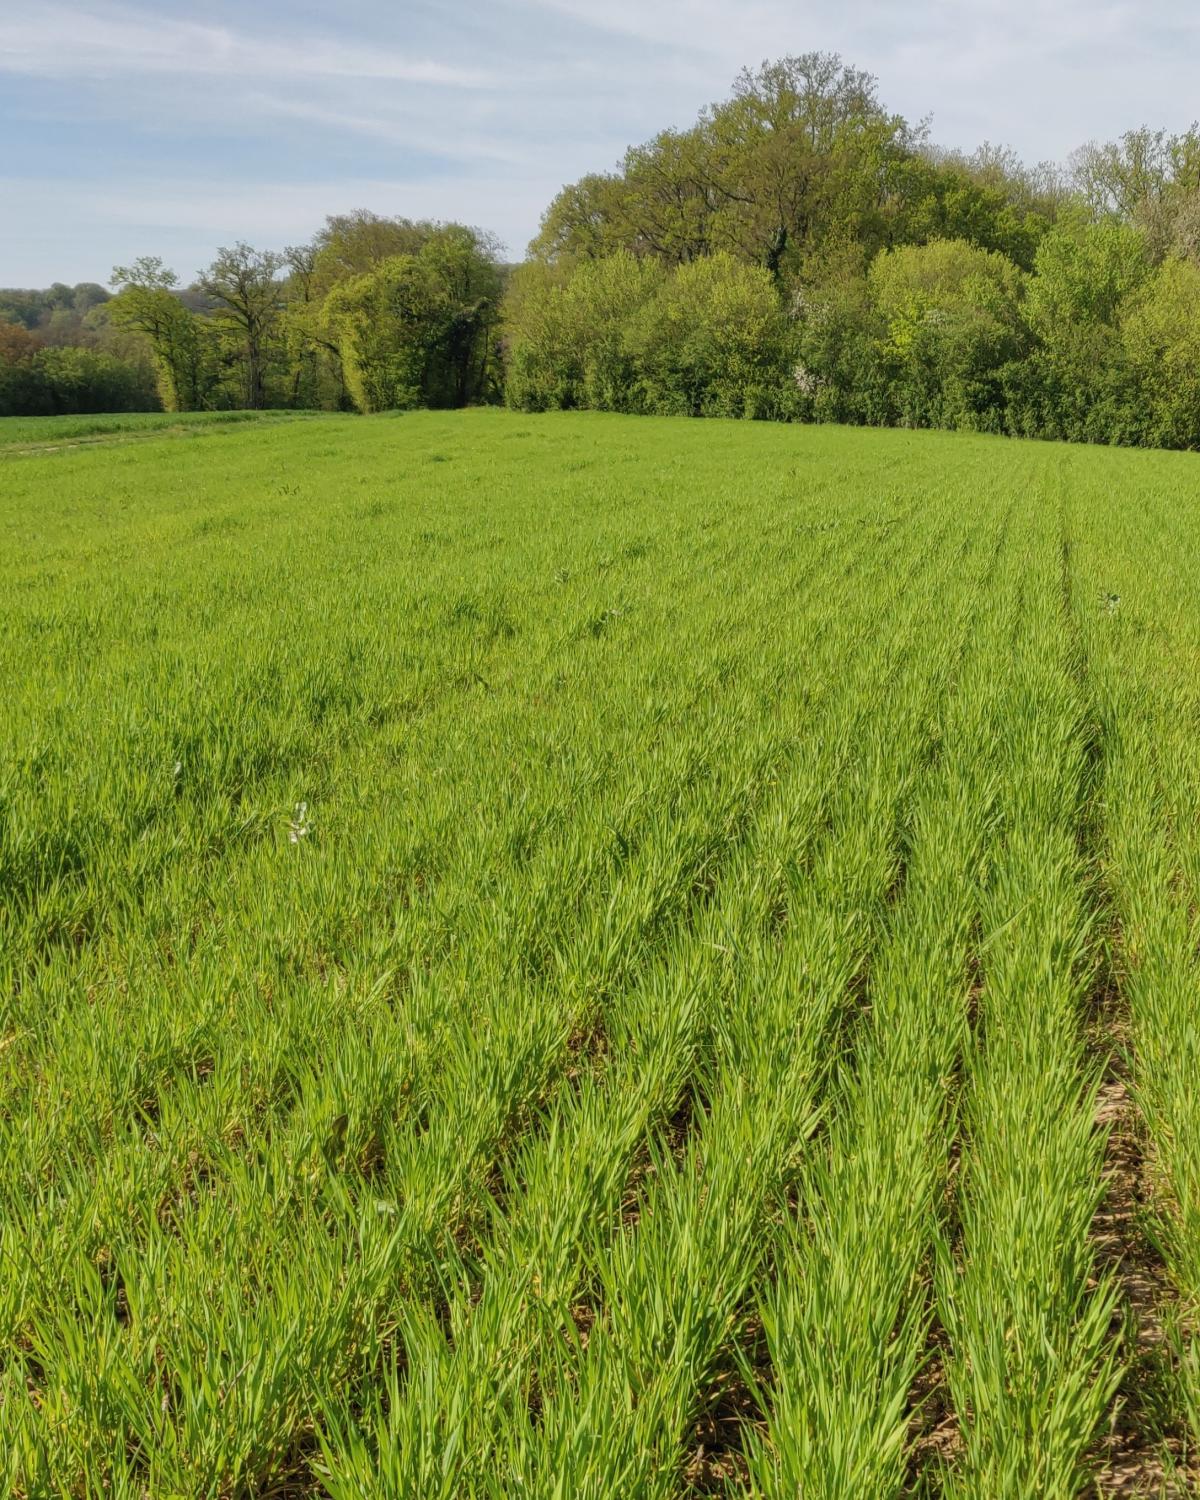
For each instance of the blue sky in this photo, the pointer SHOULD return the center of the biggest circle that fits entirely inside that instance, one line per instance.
(171, 128)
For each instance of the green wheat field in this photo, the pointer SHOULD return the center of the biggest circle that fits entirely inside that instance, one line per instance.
(582, 956)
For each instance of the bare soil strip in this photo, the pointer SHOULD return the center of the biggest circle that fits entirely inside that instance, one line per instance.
(1139, 1454)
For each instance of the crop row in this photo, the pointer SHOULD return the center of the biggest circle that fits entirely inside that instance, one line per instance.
(610, 1007)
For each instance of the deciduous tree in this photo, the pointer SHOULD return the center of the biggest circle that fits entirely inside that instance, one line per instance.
(148, 302)
(244, 283)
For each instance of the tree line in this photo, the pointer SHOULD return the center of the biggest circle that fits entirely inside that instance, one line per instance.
(798, 253)
(60, 351)
(375, 314)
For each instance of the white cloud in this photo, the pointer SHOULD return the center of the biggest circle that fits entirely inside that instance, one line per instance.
(758, 28)
(481, 109)
(1042, 76)
(407, 130)
(54, 40)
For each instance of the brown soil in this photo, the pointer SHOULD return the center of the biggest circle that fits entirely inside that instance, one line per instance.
(1135, 1459)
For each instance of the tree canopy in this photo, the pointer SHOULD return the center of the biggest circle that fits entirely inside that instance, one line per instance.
(798, 251)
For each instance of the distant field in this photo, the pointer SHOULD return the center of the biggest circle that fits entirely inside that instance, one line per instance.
(30, 430)
(585, 957)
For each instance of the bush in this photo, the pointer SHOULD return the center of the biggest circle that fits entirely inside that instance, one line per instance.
(84, 380)
(1093, 345)
(417, 329)
(951, 318)
(70, 381)
(1079, 382)
(712, 342)
(1161, 332)
(837, 370)
(568, 333)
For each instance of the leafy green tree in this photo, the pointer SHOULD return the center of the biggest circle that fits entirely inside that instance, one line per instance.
(87, 380)
(88, 294)
(1185, 227)
(944, 275)
(148, 303)
(667, 199)
(1083, 274)
(315, 377)
(420, 329)
(542, 370)
(40, 381)
(604, 301)
(567, 332)
(1147, 178)
(24, 307)
(385, 323)
(587, 219)
(623, 333)
(466, 363)
(940, 196)
(800, 158)
(244, 284)
(712, 341)
(354, 243)
(838, 371)
(1076, 382)
(1161, 333)
(23, 390)
(951, 315)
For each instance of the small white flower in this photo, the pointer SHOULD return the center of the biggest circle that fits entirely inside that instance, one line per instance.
(806, 380)
(299, 827)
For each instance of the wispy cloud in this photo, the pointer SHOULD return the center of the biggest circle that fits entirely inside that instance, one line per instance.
(402, 130)
(62, 41)
(758, 27)
(174, 125)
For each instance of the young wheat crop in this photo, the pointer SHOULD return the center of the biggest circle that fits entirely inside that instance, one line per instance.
(582, 957)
